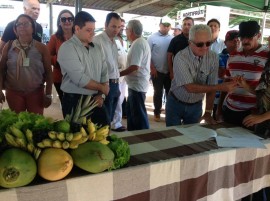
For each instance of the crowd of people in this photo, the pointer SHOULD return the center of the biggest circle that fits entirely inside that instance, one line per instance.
(185, 67)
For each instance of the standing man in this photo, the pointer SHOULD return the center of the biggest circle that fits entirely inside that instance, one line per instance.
(84, 69)
(107, 42)
(122, 62)
(232, 43)
(248, 62)
(160, 76)
(196, 72)
(217, 43)
(31, 8)
(178, 43)
(137, 76)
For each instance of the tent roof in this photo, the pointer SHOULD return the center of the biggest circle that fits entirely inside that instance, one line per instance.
(161, 7)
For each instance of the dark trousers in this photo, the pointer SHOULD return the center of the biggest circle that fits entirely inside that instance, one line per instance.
(137, 118)
(99, 114)
(59, 91)
(162, 81)
(112, 99)
(234, 117)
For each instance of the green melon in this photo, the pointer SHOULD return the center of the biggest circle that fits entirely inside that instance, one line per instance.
(93, 157)
(17, 168)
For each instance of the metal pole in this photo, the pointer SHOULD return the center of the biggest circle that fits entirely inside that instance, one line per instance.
(51, 18)
(263, 26)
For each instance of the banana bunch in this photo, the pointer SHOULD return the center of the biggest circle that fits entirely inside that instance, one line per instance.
(23, 140)
(64, 140)
(97, 134)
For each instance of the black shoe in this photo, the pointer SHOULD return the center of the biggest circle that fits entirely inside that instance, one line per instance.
(120, 129)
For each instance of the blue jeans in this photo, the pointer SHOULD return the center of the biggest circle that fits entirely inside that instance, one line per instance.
(137, 118)
(112, 99)
(178, 113)
(99, 114)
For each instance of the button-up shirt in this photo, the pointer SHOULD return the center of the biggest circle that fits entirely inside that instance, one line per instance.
(79, 65)
(188, 69)
(110, 51)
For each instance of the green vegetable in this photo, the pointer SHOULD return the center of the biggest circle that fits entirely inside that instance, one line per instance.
(7, 118)
(62, 126)
(121, 151)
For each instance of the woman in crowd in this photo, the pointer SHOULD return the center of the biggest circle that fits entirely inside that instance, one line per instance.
(24, 68)
(64, 32)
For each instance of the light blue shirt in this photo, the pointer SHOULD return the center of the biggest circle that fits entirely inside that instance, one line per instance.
(139, 55)
(79, 66)
(159, 44)
(218, 45)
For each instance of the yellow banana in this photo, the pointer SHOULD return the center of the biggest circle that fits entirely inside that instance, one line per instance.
(41, 145)
(99, 138)
(61, 136)
(37, 152)
(103, 131)
(29, 136)
(84, 120)
(21, 142)
(11, 140)
(77, 136)
(47, 142)
(92, 136)
(104, 141)
(73, 145)
(30, 147)
(52, 135)
(65, 145)
(84, 133)
(57, 144)
(91, 127)
(69, 136)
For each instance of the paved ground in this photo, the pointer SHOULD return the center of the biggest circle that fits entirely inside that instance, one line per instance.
(54, 111)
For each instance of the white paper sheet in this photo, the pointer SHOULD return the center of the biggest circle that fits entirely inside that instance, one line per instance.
(239, 142)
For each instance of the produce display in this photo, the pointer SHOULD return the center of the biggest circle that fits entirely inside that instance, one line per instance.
(31, 144)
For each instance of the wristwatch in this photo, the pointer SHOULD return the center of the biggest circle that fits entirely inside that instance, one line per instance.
(103, 96)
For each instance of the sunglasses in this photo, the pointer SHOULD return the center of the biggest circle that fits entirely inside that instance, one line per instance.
(69, 19)
(201, 44)
(23, 24)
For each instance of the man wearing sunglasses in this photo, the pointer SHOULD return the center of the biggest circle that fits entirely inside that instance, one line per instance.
(195, 74)
(248, 62)
(31, 8)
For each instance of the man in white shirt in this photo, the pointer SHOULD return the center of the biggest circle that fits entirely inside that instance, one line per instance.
(137, 76)
(107, 42)
(217, 44)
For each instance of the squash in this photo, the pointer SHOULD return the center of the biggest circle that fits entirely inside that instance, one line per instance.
(54, 164)
(17, 168)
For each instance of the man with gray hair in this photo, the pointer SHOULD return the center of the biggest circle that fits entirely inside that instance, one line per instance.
(137, 76)
(31, 8)
(195, 74)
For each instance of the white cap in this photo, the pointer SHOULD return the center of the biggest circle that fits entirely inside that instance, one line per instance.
(177, 27)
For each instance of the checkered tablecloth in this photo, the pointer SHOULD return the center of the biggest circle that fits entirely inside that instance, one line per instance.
(165, 166)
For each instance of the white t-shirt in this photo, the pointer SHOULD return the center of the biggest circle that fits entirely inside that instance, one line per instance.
(122, 57)
(139, 55)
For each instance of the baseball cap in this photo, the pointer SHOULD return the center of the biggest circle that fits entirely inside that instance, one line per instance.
(232, 34)
(166, 24)
(177, 27)
(248, 29)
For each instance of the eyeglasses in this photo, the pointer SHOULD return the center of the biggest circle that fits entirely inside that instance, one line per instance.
(23, 24)
(201, 44)
(69, 19)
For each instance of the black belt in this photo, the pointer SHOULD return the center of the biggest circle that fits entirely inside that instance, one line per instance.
(114, 80)
(172, 95)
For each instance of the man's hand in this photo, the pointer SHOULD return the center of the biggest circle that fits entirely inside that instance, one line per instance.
(99, 100)
(105, 88)
(153, 72)
(208, 118)
(228, 86)
(252, 119)
(47, 101)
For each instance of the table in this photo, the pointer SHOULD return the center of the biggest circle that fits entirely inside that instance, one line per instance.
(165, 166)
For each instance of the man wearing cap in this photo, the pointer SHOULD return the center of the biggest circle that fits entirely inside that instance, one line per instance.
(160, 76)
(232, 43)
(196, 72)
(177, 30)
(248, 62)
(179, 42)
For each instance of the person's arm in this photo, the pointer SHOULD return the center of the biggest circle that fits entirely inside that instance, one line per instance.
(253, 119)
(2, 45)
(170, 63)
(129, 70)
(2, 72)
(199, 88)
(210, 96)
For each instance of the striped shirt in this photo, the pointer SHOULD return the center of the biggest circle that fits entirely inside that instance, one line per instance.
(187, 69)
(250, 67)
(80, 65)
